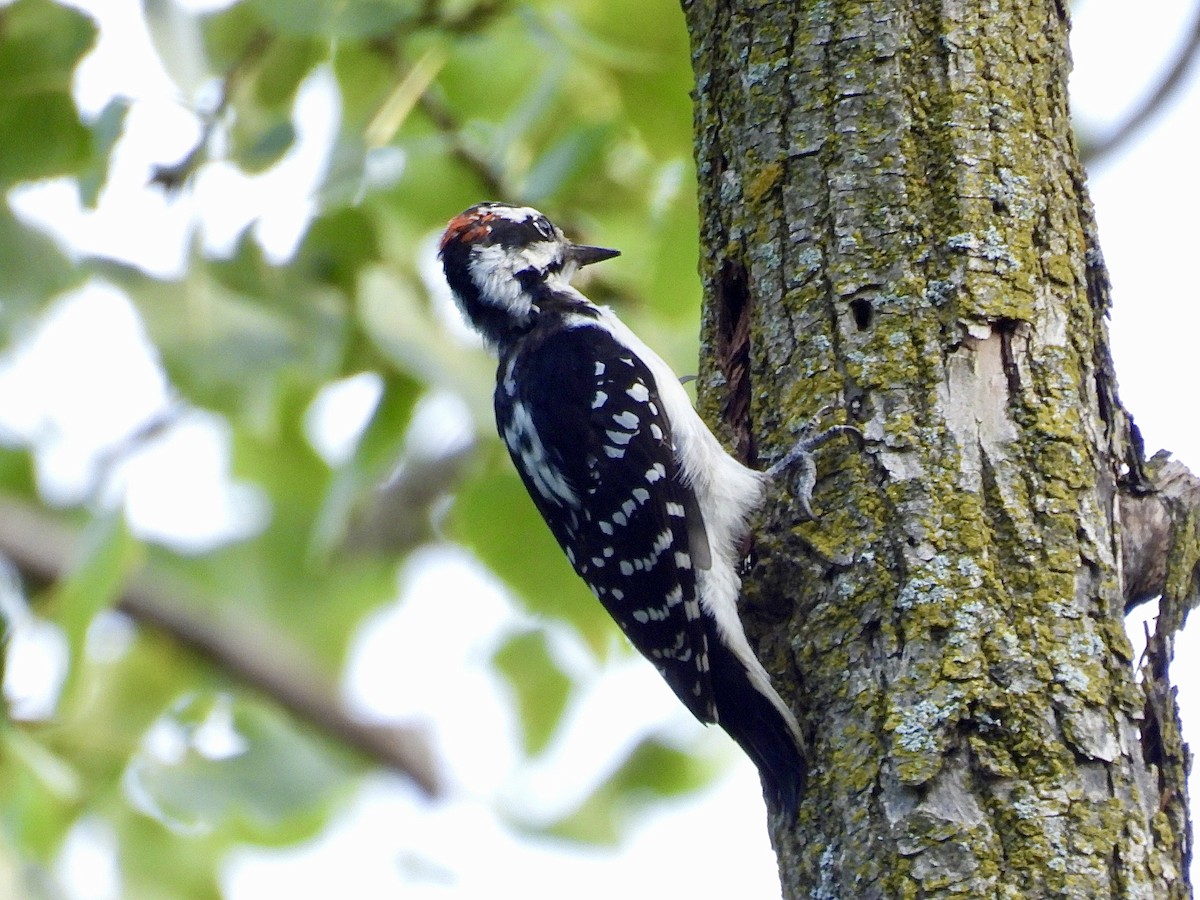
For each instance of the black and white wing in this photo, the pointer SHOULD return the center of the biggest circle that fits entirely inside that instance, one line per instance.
(582, 419)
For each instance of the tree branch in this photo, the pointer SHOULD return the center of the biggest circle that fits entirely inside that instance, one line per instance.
(1160, 540)
(42, 550)
(397, 518)
(1093, 152)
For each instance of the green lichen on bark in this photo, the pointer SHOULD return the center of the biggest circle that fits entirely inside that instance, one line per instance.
(898, 185)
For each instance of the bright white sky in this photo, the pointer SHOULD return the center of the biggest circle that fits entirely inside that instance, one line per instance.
(710, 846)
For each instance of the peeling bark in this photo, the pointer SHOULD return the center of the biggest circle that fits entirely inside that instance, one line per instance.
(897, 187)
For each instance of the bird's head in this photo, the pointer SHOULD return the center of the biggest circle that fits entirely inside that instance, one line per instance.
(499, 259)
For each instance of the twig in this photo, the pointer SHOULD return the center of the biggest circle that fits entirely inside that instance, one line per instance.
(443, 119)
(172, 177)
(42, 550)
(1093, 152)
(397, 518)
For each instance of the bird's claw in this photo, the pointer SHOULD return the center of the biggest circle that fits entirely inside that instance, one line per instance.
(802, 454)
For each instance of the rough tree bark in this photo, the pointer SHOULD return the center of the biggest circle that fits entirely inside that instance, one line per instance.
(894, 219)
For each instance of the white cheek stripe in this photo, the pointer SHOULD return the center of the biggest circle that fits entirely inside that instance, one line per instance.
(491, 271)
(494, 268)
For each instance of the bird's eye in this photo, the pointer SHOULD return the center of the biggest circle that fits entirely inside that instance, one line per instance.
(543, 226)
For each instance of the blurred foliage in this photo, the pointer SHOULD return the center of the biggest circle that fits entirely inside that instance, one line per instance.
(578, 106)
(653, 771)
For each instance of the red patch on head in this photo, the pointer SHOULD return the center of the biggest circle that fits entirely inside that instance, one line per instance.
(472, 225)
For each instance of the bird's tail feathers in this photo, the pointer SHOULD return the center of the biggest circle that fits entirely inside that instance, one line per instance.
(760, 728)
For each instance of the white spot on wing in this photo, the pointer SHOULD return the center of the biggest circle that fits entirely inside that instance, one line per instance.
(626, 419)
(599, 400)
(619, 437)
(639, 392)
(663, 541)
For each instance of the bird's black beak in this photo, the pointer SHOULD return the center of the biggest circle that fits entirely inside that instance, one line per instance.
(583, 255)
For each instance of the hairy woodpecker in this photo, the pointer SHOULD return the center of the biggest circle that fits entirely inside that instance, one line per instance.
(647, 505)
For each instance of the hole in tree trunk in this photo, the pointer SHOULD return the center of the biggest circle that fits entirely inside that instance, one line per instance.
(734, 307)
(863, 313)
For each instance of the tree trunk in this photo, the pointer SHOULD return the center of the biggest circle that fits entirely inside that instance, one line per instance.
(894, 220)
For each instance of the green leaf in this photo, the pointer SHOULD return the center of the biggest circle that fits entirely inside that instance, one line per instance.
(652, 70)
(40, 43)
(365, 73)
(232, 765)
(355, 19)
(541, 688)
(230, 33)
(284, 65)
(16, 472)
(234, 330)
(105, 131)
(572, 157)
(652, 771)
(282, 575)
(376, 454)
(34, 271)
(159, 864)
(39, 791)
(339, 244)
(256, 151)
(378, 448)
(106, 555)
(43, 137)
(396, 316)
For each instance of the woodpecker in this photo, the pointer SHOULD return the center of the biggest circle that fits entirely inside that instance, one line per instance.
(643, 499)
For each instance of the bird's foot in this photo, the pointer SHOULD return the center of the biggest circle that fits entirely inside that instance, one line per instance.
(802, 456)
